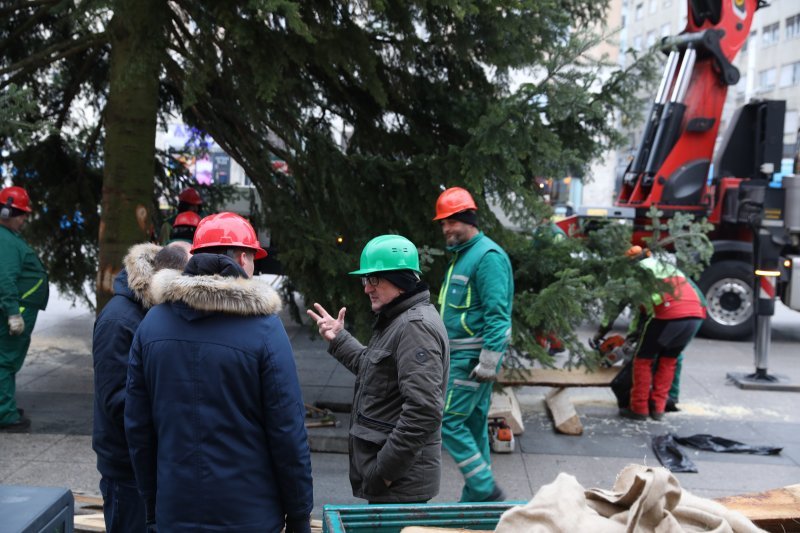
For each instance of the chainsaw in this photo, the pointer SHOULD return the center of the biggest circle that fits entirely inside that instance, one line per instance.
(614, 350)
(501, 439)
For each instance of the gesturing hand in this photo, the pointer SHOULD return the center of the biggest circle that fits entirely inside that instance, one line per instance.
(329, 327)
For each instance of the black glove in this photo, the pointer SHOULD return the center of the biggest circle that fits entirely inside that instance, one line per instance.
(298, 525)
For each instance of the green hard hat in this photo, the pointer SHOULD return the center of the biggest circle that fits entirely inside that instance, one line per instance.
(388, 252)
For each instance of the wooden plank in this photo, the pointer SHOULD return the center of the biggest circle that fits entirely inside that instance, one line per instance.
(773, 510)
(565, 418)
(90, 522)
(505, 405)
(87, 502)
(426, 529)
(556, 377)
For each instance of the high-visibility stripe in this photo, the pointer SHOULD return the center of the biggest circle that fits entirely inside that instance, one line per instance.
(766, 288)
(466, 340)
(475, 472)
(459, 277)
(446, 286)
(464, 324)
(467, 461)
(33, 289)
(471, 384)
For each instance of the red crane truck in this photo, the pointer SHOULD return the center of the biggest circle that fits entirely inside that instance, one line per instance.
(756, 234)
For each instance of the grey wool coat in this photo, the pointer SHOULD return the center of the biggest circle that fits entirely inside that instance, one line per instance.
(396, 420)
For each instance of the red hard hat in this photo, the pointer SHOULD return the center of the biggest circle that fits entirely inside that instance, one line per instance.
(190, 196)
(187, 218)
(229, 230)
(452, 201)
(19, 198)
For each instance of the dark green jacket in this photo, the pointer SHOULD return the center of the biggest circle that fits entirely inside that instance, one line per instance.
(23, 280)
(396, 420)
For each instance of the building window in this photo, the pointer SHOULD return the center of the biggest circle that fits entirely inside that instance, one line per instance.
(653, 6)
(637, 43)
(790, 122)
(741, 87)
(770, 34)
(666, 30)
(766, 79)
(651, 38)
(790, 74)
(667, 3)
(793, 27)
(639, 11)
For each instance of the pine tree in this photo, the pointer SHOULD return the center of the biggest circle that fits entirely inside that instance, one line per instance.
(375, 106)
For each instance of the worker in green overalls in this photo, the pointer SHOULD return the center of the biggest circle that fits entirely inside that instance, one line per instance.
(23, 292)
(475, 303)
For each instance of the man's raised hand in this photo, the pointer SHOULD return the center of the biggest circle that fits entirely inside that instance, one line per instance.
(328, 326)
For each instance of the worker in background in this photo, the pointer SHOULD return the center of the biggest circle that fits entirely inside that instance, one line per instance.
(189, 200)
(395, 427)
(114, 328)
(24, 291)
(475, 304)
(547, 233)
(214, 417)
(184, 226)
(675, 320)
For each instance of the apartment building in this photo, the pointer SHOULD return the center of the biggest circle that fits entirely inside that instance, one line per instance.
(769, 63)
(770, 67)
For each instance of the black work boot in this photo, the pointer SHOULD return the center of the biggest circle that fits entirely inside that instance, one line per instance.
(21, 425)
(497, 495)
(627, 413)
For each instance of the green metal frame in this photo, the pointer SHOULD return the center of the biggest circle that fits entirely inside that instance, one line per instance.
(391, 518)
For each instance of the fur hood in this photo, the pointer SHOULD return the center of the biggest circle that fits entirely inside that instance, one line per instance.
(139, 266)
(215, 293)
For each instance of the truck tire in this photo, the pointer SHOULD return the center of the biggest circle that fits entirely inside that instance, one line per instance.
(728, 287)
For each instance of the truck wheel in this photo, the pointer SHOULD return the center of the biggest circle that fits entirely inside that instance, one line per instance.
(728, 287)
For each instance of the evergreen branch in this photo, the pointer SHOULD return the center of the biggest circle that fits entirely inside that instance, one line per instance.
(71, 92)
(42, 58)
(26, 4)
(30, 22)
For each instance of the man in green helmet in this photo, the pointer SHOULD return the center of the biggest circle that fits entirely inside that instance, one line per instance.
(475, 303)
(396, 419)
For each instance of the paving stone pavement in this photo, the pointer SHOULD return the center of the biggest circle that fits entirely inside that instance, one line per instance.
(55, 388)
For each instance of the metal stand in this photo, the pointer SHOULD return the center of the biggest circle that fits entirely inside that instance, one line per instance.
(761, 379)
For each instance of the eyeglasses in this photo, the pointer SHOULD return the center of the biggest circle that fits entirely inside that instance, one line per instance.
(372, 280)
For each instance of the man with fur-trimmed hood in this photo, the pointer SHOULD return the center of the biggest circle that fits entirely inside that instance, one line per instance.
(214, 419)
(114, 328)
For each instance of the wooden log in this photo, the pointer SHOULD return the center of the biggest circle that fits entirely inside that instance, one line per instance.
(555, 377)
(89, 522)
(505, 405)
(773, 510)
(565, 418)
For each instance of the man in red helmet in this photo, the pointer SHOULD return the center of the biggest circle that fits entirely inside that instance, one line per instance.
(213, 411)
(189, 201)
(184, 227)
(475, 303)
(23, 293)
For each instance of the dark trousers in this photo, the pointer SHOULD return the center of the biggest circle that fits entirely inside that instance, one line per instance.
(123, 508)
(660, 338)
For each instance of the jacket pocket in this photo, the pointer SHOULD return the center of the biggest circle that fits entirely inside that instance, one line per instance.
(459, 293)
(368, 426)
(462, 397)
(380, 368)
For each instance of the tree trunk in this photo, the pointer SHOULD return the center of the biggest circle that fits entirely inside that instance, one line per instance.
(137, 49)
